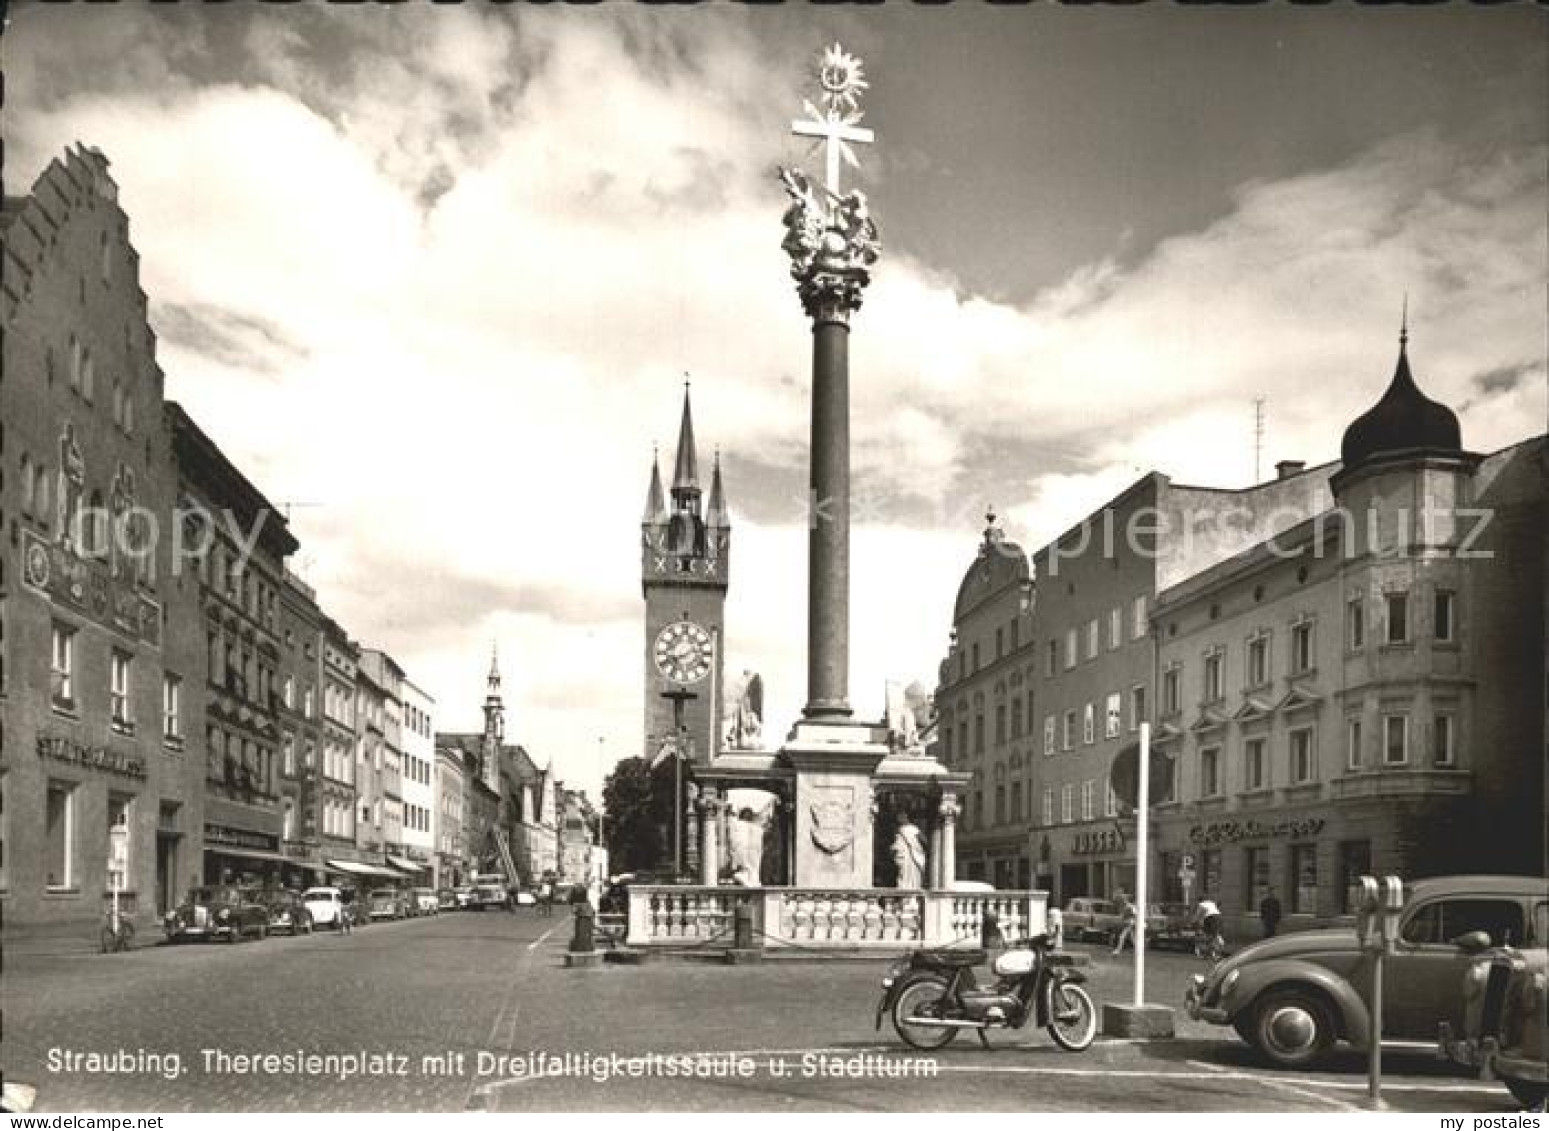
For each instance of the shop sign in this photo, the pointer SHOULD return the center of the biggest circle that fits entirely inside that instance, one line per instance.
(1231, 832)
(219, 835)
(1101, 840)
(88, 587)
(91, 757)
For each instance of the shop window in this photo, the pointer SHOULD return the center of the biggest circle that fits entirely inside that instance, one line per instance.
(1304, 879)
(62, 674)
(1210, 873)
(1256, 872)
(59, 864)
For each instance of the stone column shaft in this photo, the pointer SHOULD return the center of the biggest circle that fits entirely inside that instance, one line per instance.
(828, 546)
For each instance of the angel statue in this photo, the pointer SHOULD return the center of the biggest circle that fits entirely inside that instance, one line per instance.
(903, 727)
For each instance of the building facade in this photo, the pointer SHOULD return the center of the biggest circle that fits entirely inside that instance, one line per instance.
(450, 863)
(337, 772)
(419, 780)
(1363, 695)
(101, 657)
(299, 709)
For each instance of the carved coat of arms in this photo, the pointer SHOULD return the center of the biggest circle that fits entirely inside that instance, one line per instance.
(833, 825)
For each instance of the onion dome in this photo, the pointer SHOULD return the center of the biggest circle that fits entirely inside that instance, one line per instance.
(1404, 422)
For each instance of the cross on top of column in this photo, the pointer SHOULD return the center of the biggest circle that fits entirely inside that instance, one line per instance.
(840, 84)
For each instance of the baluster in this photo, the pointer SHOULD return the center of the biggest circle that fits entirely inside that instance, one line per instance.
(872, 927)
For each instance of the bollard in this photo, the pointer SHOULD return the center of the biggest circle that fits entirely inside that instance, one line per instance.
(742, 926)
(581, 940)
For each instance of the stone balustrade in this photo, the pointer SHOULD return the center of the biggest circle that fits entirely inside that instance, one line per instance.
(882, 919)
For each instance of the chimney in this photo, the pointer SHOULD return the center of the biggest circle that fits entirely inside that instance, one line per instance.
(1289, 467)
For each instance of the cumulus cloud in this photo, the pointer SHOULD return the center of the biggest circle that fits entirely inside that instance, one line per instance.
(441, 279)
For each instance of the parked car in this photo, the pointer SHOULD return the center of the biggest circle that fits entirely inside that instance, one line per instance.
(326, 905)
(424, 901)
(1092, 919)
(487, 896)
(465, 899)
(385, 903)
(1293, 996)
(217, 912)
(446, 900)
(288, 912)
(1505, 993)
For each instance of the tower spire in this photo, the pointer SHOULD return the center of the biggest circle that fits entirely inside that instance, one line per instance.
(655, 501)
(1403, 331)
(685, 478)
(715, 512)
(494, 708)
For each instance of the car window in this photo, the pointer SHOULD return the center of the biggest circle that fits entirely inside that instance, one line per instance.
(1446, 920)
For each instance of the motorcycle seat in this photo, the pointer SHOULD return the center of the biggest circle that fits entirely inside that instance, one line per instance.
(950, 957)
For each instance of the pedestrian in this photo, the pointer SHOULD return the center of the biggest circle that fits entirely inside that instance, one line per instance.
(1269, 913)
(1126, 924)
(1054, 928)
(546, 897)
(1208, 915)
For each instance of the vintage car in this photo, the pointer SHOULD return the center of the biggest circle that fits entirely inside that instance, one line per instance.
(1092, 919)
(385, 903)
(218, 912)
(326, 904)
(1170, 926)
(288, 912)
(1293, 996)
(1505, 1015)
(423, 901)
(446, 899)
(487, 896)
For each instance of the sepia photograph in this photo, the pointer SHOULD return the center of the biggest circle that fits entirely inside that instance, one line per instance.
(774, 557)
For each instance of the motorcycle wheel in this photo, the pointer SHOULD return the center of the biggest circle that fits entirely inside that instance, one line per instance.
(924, 992)
(1072, 1017)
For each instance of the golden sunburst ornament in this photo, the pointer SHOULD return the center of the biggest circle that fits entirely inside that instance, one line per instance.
(841, 82)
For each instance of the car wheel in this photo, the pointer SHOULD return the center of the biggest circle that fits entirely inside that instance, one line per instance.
(1293, 1028)
(1529, 1093)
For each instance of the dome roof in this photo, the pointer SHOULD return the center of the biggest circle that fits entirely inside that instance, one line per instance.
(1404, 420)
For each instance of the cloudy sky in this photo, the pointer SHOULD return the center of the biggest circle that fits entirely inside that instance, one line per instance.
(434, 275)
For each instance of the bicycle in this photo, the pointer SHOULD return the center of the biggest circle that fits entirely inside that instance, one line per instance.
(117, 933)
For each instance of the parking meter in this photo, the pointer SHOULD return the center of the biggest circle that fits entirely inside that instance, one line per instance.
(1392, 902)
(1366, 896)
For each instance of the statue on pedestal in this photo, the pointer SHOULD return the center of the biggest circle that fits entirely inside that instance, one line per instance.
(909, 853)
(743, 724)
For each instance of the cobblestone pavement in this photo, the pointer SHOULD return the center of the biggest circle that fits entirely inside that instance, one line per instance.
(440, 1001)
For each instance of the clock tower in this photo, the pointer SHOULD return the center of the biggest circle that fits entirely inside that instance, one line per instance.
(685, 568)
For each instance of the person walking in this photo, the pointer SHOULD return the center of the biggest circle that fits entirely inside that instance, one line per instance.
(1269, 913)
(1208, 915)
(1126, 924)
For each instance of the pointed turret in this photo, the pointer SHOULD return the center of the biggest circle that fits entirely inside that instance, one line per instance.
(655, 500)
(685, 477)
(715, 513)
(494, 707)
(1404, 422)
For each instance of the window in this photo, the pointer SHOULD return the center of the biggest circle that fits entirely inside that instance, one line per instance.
(1070, 649)
(975, 647)
(1353, 743)
(1089, 725)
(1210, 772)
(1256, 872)
(1088, 800)
(1092, 639)
(288, 821)
(1048, 734)
(1111, 802)
(1049, 658)
(1016, 718)
(1000, 723)
(118, 692)
(1068, 739)
(1304, 879)
(288, 692)
(1210, 872)
(1258, 661)
(1000, 642)
(1301, 647)
(1301, 755)
(1138, 625)
(1015, 635)
(288, 755)
(171, 707)
(1000, 805)
(979, 733)
(1171, 679)
(1355, 624)
(1442, 741)
(1443, 922)
(1441, 623)
(1398, 617)
(1116, 628)
(307, 702)
(59, 837)
(1213, 677)
(1067, 799)
(1048, 807)
(1253, 764)
(1016, 801)
(1395, 739)
(1137, 707)
(1115, 716)
(62, 678)
(962, 739)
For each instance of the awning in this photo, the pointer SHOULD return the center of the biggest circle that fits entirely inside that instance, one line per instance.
(407, 866)
(248, 853)
(353, 868)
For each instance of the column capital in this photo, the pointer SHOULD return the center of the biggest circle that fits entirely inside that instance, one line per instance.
(949, 808)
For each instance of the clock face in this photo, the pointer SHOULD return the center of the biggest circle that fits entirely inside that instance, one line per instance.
(684, 652)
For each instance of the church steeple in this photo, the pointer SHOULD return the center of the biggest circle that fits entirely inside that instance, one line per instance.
(494, 706)
(655, 501)
(715, 513)
(685, 478)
